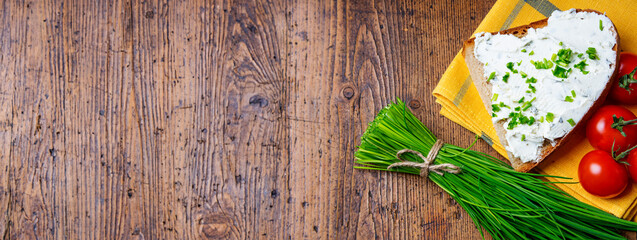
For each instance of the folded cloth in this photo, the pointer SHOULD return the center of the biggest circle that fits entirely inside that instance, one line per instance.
(461, 103)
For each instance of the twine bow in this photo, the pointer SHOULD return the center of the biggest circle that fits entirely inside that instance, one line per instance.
(425, 166)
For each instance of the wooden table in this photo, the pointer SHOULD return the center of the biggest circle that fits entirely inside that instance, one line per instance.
(214, 119)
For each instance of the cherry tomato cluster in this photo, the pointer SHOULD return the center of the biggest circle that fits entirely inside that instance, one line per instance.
(612, 130)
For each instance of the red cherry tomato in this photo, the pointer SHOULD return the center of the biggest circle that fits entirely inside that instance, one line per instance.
(624, 90)
(603, 129)
(600, 175)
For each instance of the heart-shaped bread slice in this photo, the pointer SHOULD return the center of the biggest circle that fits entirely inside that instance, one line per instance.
(542, 81)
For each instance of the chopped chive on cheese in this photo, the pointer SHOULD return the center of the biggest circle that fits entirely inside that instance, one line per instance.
(601, 26)
(521, 100)
(527, 105)
(545, 64)
(549, 117)
(510, 67)
(493, 115)
(492, 76)
(520, 62)
(517, 108)
(532, 88)
(523, 137)
(486, 64)
(523, 119)
(568, 99)
(581, 65)
(494, 98)
(531, 53)
(561, 43)
(523, 50)
(570, 121)
(563, 57)
(580, 55)
(495, 108)
(531, 80)
(523, 74)
(504, 105)
(505, 78)
(592, 53)
(516, 118)
(561, 72)
(573, 93)
(542, 119)
(512, 124)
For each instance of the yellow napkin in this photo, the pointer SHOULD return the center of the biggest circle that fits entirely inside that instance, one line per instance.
(461, 103)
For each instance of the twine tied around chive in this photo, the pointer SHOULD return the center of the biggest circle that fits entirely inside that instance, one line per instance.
(425, 166)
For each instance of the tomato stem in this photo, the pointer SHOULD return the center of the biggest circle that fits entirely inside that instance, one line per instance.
(626, 80)
(621, 155)
(619, 123)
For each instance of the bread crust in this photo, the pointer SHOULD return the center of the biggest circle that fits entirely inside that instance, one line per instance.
(476, 71)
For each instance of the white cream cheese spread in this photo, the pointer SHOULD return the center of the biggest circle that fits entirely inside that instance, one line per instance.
(545, 82)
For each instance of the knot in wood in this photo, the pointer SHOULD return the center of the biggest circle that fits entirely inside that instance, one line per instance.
(348, 92)
(150, 14)
(414, 104)
(214, 226)
(259, 101)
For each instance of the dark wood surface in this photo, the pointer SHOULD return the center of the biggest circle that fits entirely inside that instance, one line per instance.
(220, 119)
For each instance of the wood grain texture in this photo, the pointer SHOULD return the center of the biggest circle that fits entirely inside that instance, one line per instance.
(220, 119)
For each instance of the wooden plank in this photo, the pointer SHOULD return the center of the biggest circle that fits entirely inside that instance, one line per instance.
(68, 152)
(118, 127)
(152, 99)
(316, 39)
(210, 94)
(31, 165)
(253, 167)
(11, 58)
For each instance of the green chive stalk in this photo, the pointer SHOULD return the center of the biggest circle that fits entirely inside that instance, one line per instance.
(505, 203)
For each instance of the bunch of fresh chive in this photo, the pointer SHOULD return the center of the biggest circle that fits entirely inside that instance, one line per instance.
(505, 203)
